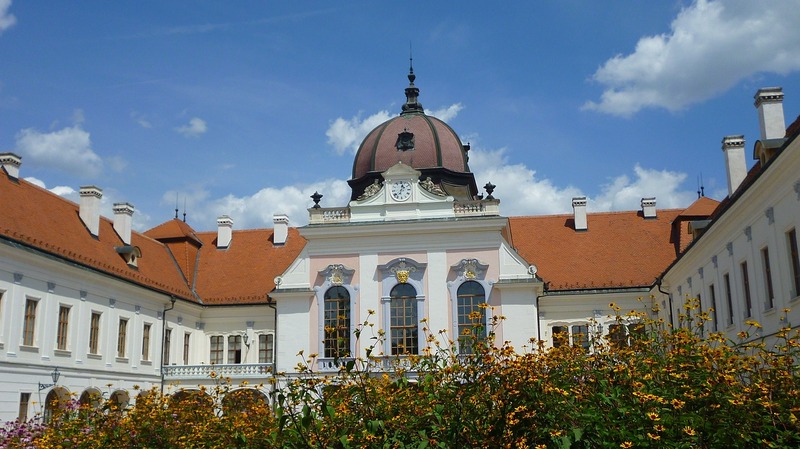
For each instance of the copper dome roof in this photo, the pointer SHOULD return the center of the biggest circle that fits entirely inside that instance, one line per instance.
(418, 140)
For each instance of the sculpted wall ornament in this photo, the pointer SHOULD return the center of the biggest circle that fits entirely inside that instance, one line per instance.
(429, 185)
(402, 270)
(470, 268)
(337, 274)
(371, 190)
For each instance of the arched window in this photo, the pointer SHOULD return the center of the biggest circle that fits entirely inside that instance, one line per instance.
(337, 322)
(404, 321)
(471, 317)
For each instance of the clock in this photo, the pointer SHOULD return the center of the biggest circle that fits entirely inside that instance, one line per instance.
(401, 190)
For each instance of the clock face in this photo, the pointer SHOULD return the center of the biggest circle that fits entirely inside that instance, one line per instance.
(401, 190)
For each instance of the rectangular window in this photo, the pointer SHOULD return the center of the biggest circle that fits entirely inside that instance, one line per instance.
(24, 400)
(748, 302)
(770, 302)
(146, 341)
(560, 336)
(791, 236)
(167, 344)
(617, 335)
(186, 339)
(94, 333)
(29, 325)
(266, 346)
(234, 349)
(713, 297)
(728, 297)
(63, 328)
(580, 336)
(122, 335)
(217, 348)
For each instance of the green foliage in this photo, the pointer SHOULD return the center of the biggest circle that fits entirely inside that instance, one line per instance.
(662, 388)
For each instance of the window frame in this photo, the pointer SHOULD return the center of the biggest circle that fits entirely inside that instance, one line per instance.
(216, 351)
(29, 322)
(235, 344)
(794, 261)
(337, 344)
(62, 329)
(335, 275)
(391, 273)
(748, 299)
(408, 328)
(94, 332)
(726, 279)
(146, 329)
(122, 338)
(466, 270)
(187, 340)
(268, 350)
(768, 284)
(462, 320)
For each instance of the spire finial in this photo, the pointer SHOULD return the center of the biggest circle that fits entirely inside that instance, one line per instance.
(412, 93)
(411, 76)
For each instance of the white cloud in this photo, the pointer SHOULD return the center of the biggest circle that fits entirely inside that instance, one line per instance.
(712, 45)
(65, 191)
(519, 190)
(346, 134)
(7, 20)
(522, 193)
(256, 210)
(141, 120)
(448, 113)
(623, 194)
(195, 128)
(68, 149)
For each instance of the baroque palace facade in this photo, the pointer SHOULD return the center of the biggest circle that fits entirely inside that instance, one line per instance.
(90, 308)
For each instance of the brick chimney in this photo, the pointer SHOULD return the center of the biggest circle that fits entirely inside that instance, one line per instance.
(735, 165)
(123, 220)
(90, 207)
(579, 211)
(10, 162)
(224, 231)
(649, 207)
(769, 102)
(280, 229)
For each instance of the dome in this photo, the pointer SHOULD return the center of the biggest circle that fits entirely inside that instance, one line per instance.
(420, 141)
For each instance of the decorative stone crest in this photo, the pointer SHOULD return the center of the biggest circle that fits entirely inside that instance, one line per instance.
(470, 268)
(429, 185)
(729, 247)
(371, 190)
(748, 232)
(770, 213)
(337, 274)
(714, 261)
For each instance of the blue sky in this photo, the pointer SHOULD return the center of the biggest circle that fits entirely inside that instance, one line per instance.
(247, 108)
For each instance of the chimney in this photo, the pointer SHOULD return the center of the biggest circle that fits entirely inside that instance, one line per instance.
(280, 229)
(579, 210)
(10, 162)
(733, 147)
(123, 218)
(649, 207)
(90, 207)
(224, 231)
(769, 102)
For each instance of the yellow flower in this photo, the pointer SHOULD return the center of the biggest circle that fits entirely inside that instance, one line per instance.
(659, 428)
(556, 433)
(653, 416)
(626, 444)
(653, 436)
(678, 404)
(689, 431)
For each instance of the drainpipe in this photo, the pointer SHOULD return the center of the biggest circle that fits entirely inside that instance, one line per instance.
(669, 298)
(538, 319)
(271, 305)
(172, 300)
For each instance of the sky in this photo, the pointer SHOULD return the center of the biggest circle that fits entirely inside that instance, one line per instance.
(247, 108)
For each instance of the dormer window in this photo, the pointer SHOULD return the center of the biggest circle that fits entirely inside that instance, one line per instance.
(405, 141)
(131, 254)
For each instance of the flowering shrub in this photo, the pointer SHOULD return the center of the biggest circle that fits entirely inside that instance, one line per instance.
(658, 387)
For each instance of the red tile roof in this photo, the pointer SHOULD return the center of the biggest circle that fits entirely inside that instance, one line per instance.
(244, 272)
(39, 219)
(619, 250)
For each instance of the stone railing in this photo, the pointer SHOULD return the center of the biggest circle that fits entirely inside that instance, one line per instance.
(233, 371)
(476, 208)
(329, 215)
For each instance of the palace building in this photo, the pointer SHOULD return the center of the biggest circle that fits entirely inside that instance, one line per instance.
(90, 308)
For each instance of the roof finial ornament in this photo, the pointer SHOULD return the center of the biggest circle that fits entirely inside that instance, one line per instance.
(411, 105)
